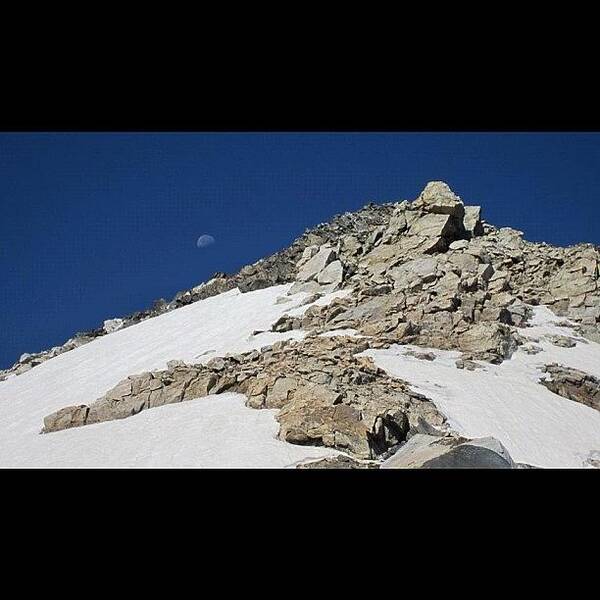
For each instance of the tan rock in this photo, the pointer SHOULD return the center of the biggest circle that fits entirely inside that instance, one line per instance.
(316, 264)
(472, 221)
(438, 198)
(65, 418)
(278, 395)
(333, 273)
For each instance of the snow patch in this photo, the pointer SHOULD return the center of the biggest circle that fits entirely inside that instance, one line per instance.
(211, 432)
(194, 333)
(506, 401)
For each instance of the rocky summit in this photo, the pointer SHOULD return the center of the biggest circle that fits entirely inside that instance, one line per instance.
(429, 275)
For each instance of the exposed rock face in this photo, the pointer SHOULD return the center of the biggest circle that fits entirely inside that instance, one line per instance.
(573, 384)
(429, 452)
(435, 276)
(327, 395)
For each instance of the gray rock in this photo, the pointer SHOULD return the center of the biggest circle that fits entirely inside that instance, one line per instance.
(333, 273)
(492, 444)
(430, 452)
(308, 253)
(472, 221)
(488, 338)
(459, 245)
(519, 313)
(531, 349)
(173, 364)
(438, 198)
(396, 227)
(414, 272)
(338, 462)
(419, 450)
(307, 287)
(432, 225)
(572, 384)
(470, 365)
(316, 264)
(279, 393)
(485, 271)
(562, 341)
(216, 364)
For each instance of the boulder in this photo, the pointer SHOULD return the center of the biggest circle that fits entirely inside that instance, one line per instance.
(316, 264)
(488, 338)
(572, 384)
(315, 417)
(562, 341)
(466, 263)
(333, 273)
(472, 221)
(414, 272)
(438, 198)
(519, 313)
(307, 287)
(432, 452)
(396, 227)
(308, 253)
(172, 364)
(432, 226)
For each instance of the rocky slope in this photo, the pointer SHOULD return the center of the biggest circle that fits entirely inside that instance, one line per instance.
(274, 270)
(429, 273)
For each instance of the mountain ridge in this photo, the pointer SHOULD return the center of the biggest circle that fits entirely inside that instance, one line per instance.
(280, 266)
(383, 322)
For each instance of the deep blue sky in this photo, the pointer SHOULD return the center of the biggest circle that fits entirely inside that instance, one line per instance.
(95, 226)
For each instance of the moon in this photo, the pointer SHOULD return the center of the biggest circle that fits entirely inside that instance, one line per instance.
(205, 240)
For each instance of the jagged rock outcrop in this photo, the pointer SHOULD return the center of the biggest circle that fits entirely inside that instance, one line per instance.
(572, 384)
(436, 276)
(327, 395)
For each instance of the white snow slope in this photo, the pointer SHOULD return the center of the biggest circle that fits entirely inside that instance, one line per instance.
(217, 431)
(506, 401)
